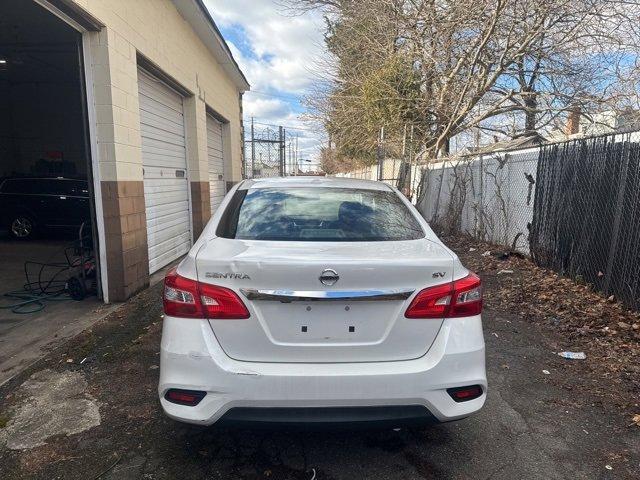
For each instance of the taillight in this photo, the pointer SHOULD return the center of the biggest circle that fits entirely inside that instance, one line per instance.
(187, 298)
(464, 394)
(467, 297)
(180, 296)
(220, 302)
(462, 298)
(190, 398)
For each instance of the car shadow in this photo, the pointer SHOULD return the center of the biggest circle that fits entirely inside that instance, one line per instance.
(315, 452)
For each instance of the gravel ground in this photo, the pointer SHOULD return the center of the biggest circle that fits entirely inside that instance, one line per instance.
(573, 422)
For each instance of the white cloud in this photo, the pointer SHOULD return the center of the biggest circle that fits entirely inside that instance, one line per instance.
(286, 47)
(278, 54)
(266, 108)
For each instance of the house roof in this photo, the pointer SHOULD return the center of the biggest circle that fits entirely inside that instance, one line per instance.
(196, 13)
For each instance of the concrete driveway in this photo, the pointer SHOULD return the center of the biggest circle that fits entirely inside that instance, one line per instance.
(26, 337)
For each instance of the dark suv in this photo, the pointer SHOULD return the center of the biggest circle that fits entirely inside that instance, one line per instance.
(30, 204)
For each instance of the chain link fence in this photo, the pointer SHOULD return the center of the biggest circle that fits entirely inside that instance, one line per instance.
(489, 197)
(586, 221)
(573, 206)
(264, 152)
(398, 173)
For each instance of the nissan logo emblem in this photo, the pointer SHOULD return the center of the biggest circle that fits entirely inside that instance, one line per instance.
(329, 277)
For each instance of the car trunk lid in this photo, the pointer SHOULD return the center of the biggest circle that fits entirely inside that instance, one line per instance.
(325, 301)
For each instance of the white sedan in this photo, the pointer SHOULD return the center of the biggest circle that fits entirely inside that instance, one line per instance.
(321, 300)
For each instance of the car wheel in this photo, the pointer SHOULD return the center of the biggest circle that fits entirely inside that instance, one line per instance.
(21, 227)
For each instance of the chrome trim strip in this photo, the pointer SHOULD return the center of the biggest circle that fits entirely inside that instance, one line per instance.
(288, 296)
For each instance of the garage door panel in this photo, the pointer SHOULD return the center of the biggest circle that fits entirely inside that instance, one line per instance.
(164, 174)
(164, 120)
(163, 162)
(160, 98)
(167, 256)
(155, 151)
(215, 156)
(170, 227)
(165, 253)
(165, 244)
(216, 152)
(215, 139)
(174, 203)
(154, 109)
(151, 106)
(164, 132)
(160, 93)
(166, 210)
(166, 188)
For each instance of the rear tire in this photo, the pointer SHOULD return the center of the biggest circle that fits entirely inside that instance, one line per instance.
(21, 227)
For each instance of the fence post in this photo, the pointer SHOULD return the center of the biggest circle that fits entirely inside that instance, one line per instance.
(618, 218)
(253, 149)
(380, 154)
(439, 190)
(281, 149)
(480, 209)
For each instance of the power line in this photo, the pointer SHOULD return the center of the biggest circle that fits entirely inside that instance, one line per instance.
(286, 97)
(288, 128)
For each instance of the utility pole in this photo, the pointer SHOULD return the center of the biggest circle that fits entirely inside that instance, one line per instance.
(253, 149)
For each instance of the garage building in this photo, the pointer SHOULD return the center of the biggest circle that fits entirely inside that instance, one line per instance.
(137, 102)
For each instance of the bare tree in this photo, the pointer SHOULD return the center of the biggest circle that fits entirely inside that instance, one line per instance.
(446, 67)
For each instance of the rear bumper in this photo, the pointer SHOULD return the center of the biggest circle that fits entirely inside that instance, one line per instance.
(192, 359)
(389, 416)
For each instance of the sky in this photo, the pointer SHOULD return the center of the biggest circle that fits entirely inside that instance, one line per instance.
(278, 53)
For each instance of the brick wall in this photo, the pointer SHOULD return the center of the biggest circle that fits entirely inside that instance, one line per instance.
(200, 206)
(126, 238)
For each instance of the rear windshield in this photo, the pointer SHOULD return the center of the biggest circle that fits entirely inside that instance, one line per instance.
(318, 214)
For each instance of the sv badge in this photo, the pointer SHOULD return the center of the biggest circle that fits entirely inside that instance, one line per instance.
(439, 274)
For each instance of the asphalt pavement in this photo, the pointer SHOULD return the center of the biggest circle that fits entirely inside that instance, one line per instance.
(542, 420)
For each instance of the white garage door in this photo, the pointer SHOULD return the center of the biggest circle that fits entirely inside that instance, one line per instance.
(164, 159)
(216, 162)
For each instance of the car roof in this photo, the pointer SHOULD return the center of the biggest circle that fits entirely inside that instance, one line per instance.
(41, 177)
(334, 182)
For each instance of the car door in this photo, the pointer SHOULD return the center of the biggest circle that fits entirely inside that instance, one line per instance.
(73, 201)
(59, 202)
(19, 195)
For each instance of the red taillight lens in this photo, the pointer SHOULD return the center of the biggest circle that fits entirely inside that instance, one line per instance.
(187, 298)
(180, 297)
(219, 302)
(464, 394)
(191, 398)
(467, 297)
(431, 302)
(462, 298)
